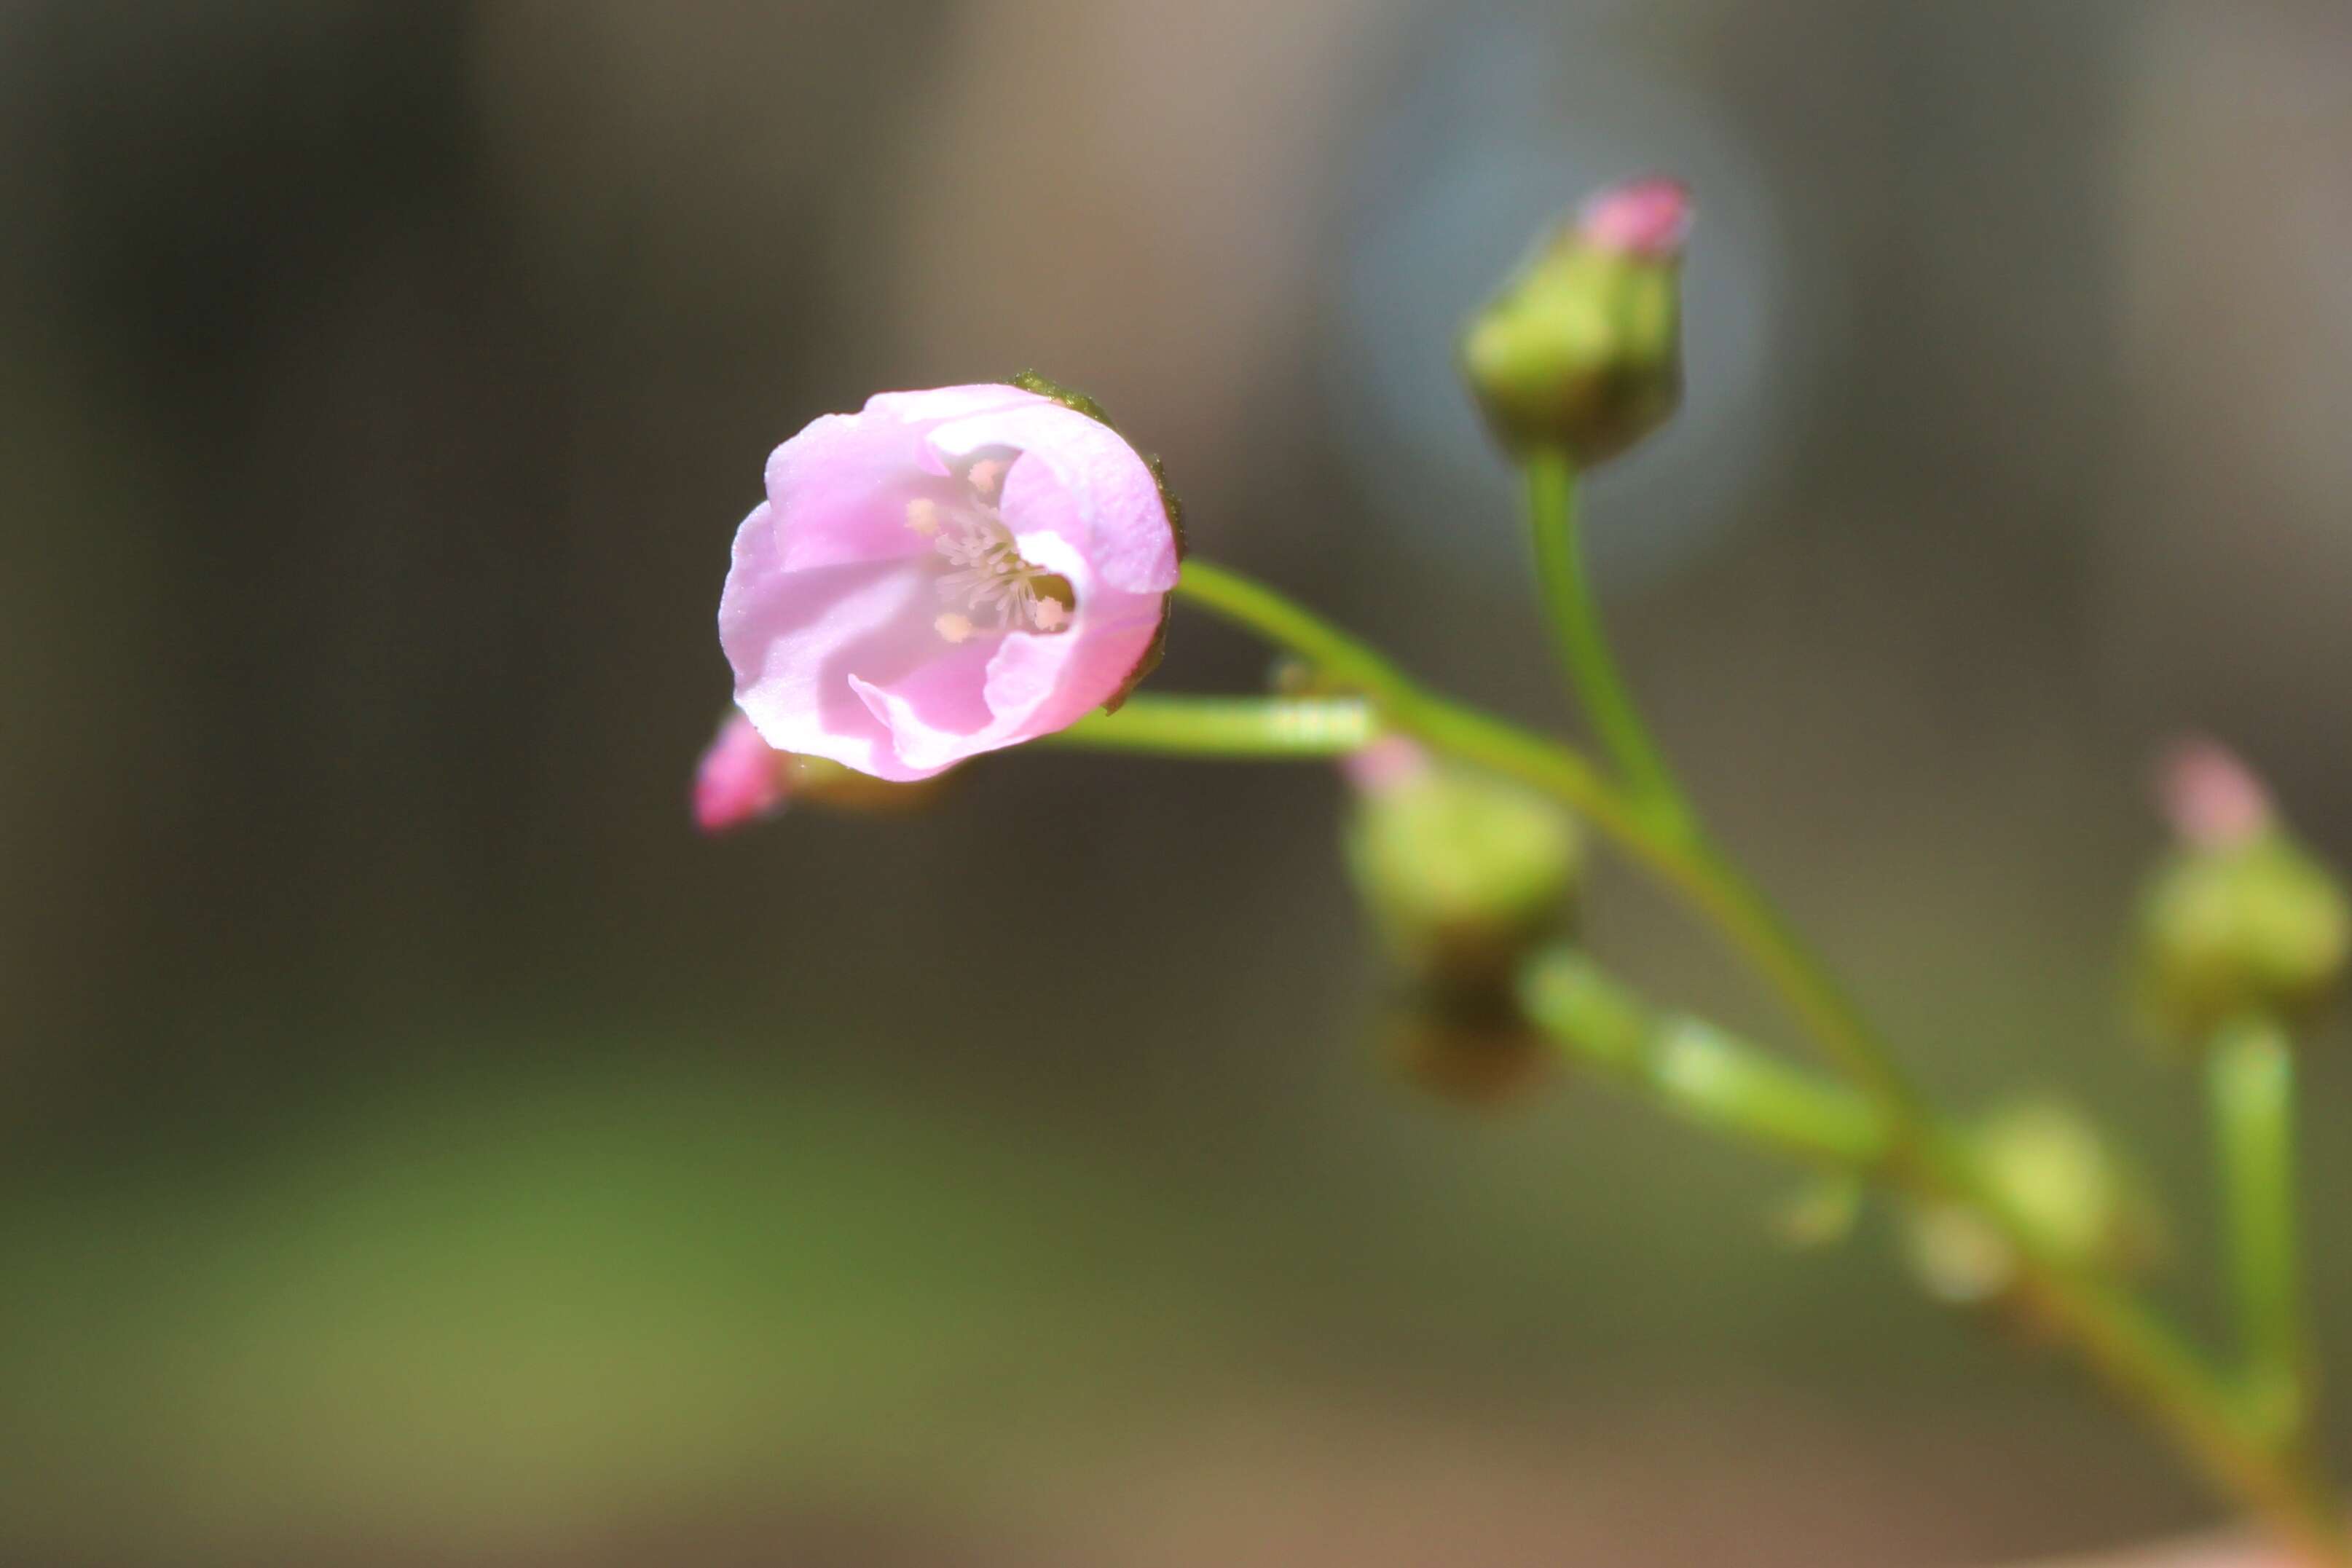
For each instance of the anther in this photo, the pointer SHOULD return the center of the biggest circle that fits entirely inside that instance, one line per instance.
(986, 478)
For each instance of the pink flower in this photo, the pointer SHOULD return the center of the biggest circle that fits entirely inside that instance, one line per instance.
(942, 574)
(1648, 218)
(2214, 800)
(740, 780)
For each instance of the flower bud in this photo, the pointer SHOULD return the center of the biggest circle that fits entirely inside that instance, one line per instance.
(742, 780)
(2240, 918)
(1465, 873)
(2058, 1177)
(1582, 351)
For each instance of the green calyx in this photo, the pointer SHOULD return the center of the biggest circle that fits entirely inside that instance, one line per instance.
(1581, 351)
(1463, 874)
(2063, 1181)
(2257, 928)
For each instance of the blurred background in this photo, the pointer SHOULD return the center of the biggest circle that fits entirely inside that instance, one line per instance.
(416, 1146)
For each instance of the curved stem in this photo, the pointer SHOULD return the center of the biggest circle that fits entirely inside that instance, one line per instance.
(1674, 851)
(2250, 1078)
(1448, 725)
(2130, 1346)
(1584, 653)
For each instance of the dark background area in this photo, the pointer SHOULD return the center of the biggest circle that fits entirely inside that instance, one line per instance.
(419, 1146)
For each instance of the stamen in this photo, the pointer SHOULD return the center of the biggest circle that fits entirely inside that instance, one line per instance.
(987, 570)
(986, 478)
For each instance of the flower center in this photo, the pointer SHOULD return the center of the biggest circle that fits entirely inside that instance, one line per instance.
(986, 574)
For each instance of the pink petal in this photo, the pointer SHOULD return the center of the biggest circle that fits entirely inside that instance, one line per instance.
(937, 715)
(937, 404)
(1077, 476)
(795, 637)
(845, 483)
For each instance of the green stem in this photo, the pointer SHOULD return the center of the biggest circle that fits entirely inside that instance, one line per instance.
(1713, 1080)
(1671, 824)
(1674, 852)
(1584, 652)
(1273, 727)
(2132, 1348)
(1701, 1074)
(1438, 721)
(2250, 1082)
(1710, 1078)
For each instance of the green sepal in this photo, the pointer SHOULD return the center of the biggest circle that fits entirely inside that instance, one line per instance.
(2260, 927)
(1075, 401)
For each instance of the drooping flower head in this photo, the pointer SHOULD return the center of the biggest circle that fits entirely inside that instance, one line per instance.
(944, 573)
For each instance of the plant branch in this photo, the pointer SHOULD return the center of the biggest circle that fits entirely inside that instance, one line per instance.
(2131, 1347)
(2250, 1079)
(1242, 727)
(1585, 656)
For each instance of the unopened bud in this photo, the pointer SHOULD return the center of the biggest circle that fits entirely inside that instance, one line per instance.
(2240, 918)
(741, 778)
(1582, 351)
(1465, 874)
(2059, 1179)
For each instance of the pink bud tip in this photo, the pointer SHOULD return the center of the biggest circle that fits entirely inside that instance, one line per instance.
(1385, 764)
(1648, 218)
(2213, 800)
(740, 780)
